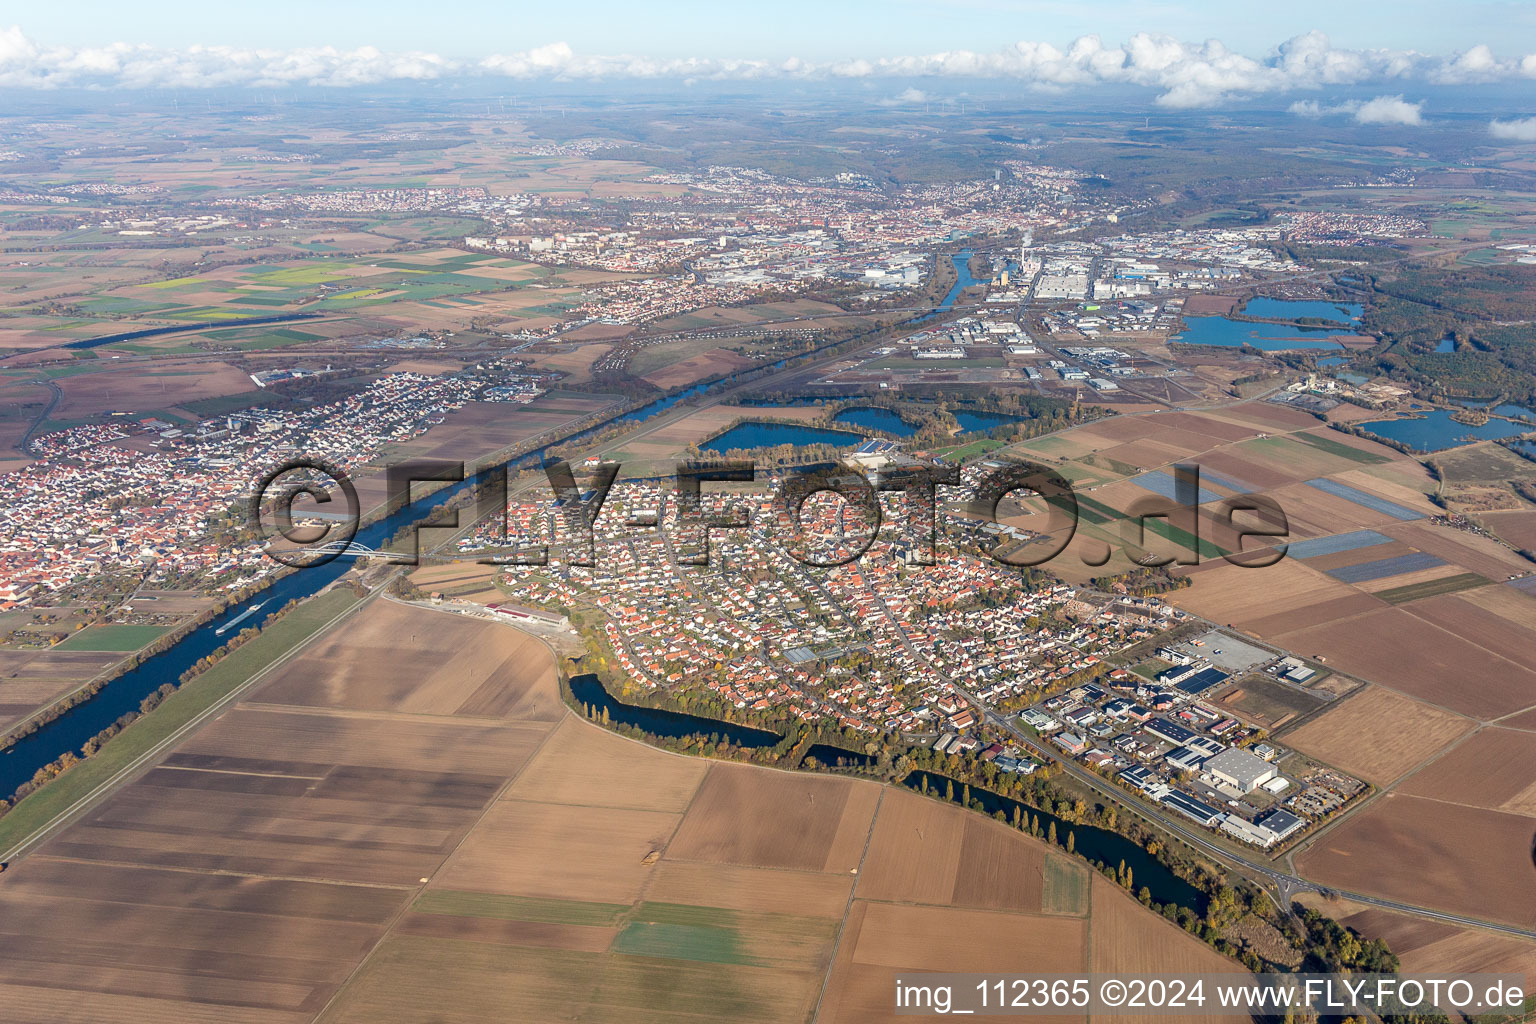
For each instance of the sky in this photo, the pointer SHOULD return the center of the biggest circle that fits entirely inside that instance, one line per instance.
(1372, 61)
(819, 30)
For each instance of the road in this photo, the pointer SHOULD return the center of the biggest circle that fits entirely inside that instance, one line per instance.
(1287, 886)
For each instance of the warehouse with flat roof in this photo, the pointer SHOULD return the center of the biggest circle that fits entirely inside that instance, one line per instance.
(1239, 769)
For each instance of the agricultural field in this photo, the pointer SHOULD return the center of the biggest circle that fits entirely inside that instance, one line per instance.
(447, 842)
(707, 365)
(1426, 946)
(116, 637)
(1377, 734)
(31, 679)
(1431, 839)
(1494, 769)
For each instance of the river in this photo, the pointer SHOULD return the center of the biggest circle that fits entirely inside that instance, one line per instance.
(69, 731)
(588, 689)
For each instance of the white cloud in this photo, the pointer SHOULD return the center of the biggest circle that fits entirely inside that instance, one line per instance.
(1522, 130)
(1181, 74)
(1390, 110)
(1381, 110)
(906, 97)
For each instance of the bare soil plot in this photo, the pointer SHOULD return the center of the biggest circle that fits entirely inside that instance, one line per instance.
(767, 890)
(349, 823)
(481, 428)
(881, 941)
(30, 680)
(1144, 454)
(400, 658)
(581, 766)
(368, 739)
(926, 851)
(577, 362)
(1270, 704)
(1288, 594)
(1479, 554)
(1126, 939)
(444, 981)
(1464, 860)
(1495, 769)
(1266, 416)
(125, 930)
(580, 853)
(1213, 428)
(1377, 735)
(507, 933)
(1497, 619)
(805, 822)
(140, 388)
(1517, 528)
(1393, 646)
(714, 363)
(1426, 946)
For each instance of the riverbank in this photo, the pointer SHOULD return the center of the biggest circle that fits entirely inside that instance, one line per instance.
(69, 794)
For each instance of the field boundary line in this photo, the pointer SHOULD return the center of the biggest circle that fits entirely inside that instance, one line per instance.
(421, 887)
(853, 892)
(105, 788)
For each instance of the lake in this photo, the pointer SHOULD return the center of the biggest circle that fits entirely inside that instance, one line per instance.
(1298, 309)
(1222, 332)
(1518, 412)
(873, 418)
(762, 434)
(1090, 841)
(977, 422)
(1435, 431)
(588, 689)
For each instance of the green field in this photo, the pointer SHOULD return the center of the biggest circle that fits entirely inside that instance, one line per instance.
(1431, 588)
(1339, 448)
(1066, 887)
(967, 451)
(115, 637)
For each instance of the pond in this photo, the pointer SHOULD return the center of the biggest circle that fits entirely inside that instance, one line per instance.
(1332, 361)
(1446, 344)
(762, 434)
(588, 689)
(1436, 431)
(976, 422)
(1096, 844)
(1221, 332)
(838, 757)
(1518, 412)
(874, 418)
(1298, 309)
